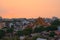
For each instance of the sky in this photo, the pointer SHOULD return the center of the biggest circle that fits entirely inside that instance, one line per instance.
(29, 8)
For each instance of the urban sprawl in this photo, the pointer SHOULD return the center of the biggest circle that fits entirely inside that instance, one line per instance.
(30, 29)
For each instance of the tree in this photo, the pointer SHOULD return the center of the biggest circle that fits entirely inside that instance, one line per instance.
(52, 34)
(56, 22)
(51, 28)
(10, 32)
(27, 31)
(19, 33)
(5, 29)
(39, 29)
(2, 33)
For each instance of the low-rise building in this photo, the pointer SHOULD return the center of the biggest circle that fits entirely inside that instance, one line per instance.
(40, 39)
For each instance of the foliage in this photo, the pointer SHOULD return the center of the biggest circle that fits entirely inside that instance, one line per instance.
(39, 29)
(27, 31)
(10, 30)
(52, 34)
(34, 38)
(19, 33)
(2, 33)
(51, 28)
(56, 22)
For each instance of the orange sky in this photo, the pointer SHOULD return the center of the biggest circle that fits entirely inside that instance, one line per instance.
(29, 8)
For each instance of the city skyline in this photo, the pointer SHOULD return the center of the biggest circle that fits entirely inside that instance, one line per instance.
(29, 8)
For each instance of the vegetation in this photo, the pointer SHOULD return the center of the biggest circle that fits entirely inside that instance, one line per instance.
(39, 29)
(52, 34)
(51, 28)
(19, 33)
(2, 33)
(27, 31)
(50, 31)
(56, 22)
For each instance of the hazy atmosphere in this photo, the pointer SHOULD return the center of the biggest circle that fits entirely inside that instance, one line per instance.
(29, 8)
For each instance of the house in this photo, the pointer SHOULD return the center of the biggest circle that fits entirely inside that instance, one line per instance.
(58, 31)
(58, 28)
(11, 24)
(22, 37)
(2, 25)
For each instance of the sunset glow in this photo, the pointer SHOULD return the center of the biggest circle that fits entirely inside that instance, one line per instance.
(29, 8)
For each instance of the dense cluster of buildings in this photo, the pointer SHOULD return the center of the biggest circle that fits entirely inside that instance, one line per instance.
(21, 23)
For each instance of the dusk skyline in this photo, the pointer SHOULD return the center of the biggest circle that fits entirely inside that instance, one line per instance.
(29, 8)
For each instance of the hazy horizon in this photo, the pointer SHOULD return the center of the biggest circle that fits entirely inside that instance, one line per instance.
(29, 8)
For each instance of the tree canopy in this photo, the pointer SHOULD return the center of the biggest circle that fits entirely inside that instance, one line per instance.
(2, 33)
